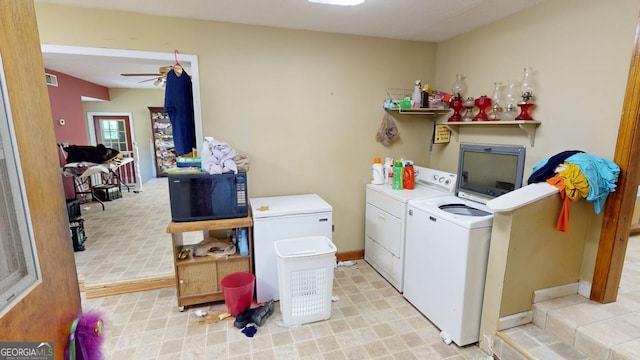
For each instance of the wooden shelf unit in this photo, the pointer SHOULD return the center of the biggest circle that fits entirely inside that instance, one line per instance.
(198, 278)
(163, 148)
(422, 111)
(528, 126)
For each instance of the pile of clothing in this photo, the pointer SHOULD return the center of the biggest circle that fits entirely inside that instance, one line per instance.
(577, 175)
(219, 158)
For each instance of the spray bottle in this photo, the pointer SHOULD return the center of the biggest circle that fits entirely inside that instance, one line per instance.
(388, 170)
(416, 97)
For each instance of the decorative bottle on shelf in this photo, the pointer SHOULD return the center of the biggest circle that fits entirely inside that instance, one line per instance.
(377, 172)
(397, 175)
(527, 95)
(459, 87)
(482, 103)
(456, 104)
(243, 241)
(425, 96)
(416, 98)
(469, 105)
(527, 84)
(496, 99)
(510, 108)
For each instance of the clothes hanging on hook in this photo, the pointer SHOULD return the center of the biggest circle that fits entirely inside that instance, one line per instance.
(178, 104)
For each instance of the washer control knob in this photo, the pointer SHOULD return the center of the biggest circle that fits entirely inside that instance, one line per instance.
(441, 179)
(448, 181)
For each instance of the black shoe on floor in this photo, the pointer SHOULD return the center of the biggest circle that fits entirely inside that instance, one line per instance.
(244, 318)
(261, 313)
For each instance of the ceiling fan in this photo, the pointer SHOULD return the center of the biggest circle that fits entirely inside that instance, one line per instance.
(159, 78)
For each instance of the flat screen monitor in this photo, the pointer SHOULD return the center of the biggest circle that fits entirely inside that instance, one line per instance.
(488, 171)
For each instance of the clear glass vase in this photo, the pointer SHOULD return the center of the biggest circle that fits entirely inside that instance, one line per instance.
(459, 87)
(497, 102)
(527, 83)
(496, 96)
(512, 96)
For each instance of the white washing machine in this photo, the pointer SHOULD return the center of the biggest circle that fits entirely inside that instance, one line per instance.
(446, 254)
(384, 244)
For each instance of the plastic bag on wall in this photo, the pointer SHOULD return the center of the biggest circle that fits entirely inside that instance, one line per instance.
(388, 131)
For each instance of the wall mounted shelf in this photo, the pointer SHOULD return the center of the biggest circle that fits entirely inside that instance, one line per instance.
(528, 126)
(421, 111)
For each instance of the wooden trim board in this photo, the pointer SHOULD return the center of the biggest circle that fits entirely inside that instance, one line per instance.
(128, 286)
(350, 255)
(163, 281)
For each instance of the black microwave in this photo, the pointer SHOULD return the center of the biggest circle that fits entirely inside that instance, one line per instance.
(203, 196)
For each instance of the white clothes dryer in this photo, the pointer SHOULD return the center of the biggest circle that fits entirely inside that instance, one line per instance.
(447, 249)
(385, 220)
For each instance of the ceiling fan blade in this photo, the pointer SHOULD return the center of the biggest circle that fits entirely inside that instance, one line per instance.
(152, 79)
(141, 74)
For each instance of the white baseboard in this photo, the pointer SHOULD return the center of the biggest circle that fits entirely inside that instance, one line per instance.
(555, 292)
(584, 288)
(514, 320)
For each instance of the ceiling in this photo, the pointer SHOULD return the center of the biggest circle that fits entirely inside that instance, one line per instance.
(418, 20)
(106, 70)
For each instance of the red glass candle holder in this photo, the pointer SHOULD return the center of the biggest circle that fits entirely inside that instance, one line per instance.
(524, 111)
(483, 102)
(456, 105)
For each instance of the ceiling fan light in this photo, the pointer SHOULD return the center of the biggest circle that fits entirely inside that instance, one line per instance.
(338, 2)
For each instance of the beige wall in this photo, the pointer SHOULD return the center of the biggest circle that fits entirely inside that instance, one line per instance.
(304, 106)
(540, 256)
(580, 53)
(527, 254)
(136, 102)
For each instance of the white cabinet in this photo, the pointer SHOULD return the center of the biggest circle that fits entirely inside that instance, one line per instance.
(384, 236)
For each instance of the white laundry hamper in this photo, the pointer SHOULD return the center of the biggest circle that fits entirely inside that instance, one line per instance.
(305, 278)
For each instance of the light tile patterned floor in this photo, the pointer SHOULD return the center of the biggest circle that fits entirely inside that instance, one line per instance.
(370, 320)
(127, 240)
(577, 328)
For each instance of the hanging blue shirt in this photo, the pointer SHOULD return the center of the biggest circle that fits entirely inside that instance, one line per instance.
(178, 103)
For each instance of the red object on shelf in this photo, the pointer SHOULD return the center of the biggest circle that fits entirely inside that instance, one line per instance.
(524, 111)
(456, 105)
(483, 102)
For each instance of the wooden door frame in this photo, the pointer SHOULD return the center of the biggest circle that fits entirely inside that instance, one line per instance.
(92, 129)
(141, 56)
(127, 119)
(618, 209)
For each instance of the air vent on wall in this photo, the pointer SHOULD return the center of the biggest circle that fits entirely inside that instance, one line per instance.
(52, 80)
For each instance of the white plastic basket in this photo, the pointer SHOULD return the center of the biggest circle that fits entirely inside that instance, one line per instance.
(305, 278)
